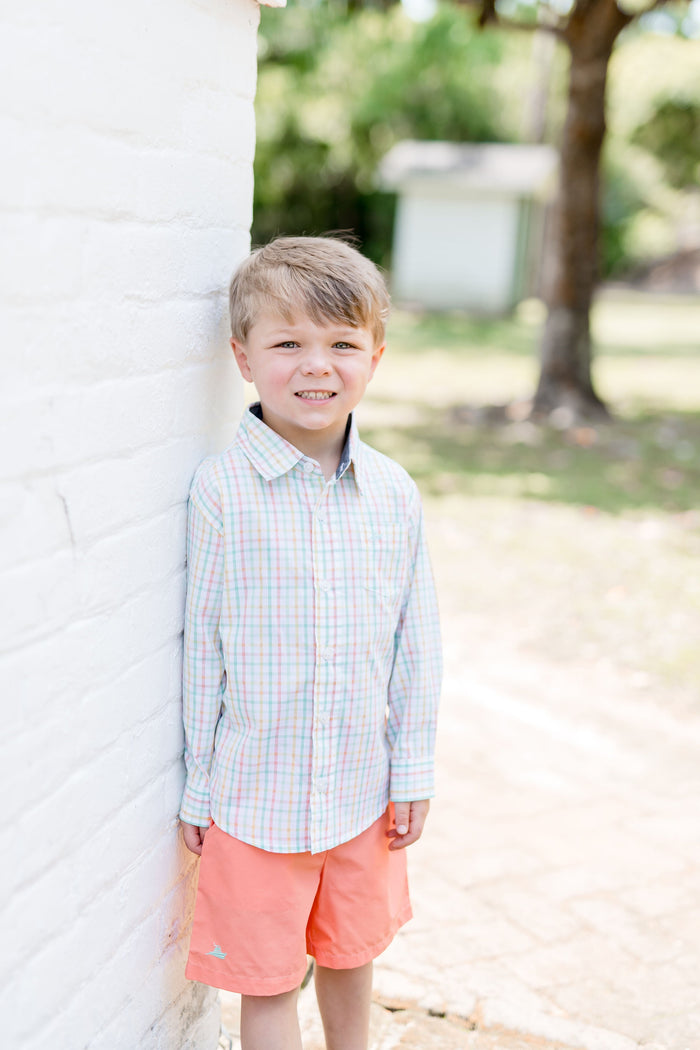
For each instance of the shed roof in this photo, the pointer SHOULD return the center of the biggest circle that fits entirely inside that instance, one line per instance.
(499, 167)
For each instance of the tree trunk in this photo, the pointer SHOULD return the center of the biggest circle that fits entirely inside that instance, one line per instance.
(565, 378)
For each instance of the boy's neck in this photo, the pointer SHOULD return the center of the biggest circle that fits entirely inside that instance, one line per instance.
(323, 446)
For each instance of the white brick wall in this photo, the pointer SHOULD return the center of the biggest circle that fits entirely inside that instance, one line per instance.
(127, 136)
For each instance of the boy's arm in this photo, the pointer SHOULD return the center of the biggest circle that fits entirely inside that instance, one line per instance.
(203, 677)
(415, 682)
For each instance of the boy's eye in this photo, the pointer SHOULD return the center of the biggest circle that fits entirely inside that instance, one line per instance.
(288, 344)
(340, 345)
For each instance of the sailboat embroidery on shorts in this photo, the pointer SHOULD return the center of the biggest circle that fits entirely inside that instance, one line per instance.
(217, 952)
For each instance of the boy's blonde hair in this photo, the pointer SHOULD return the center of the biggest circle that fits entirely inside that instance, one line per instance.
(326, 278)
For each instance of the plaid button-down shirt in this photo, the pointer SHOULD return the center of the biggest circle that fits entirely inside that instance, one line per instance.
(312, 653)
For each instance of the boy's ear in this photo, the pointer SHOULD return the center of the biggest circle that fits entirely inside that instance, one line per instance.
(376, 358)
(239, 352)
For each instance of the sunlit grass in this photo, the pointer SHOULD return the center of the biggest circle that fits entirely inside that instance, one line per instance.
(427, 406)
(650, 462)
(647, 354)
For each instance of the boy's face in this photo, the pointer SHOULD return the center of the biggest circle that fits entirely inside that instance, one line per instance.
(309, 377)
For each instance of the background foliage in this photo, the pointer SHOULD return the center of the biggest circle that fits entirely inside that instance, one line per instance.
(335, 92)
(337, 88)
(652, 165)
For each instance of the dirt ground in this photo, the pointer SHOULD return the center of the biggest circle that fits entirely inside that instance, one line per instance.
(398, 1029)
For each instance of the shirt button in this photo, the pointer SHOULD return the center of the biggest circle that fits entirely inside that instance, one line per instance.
(325, 585)
(308, 466)
(328, 653)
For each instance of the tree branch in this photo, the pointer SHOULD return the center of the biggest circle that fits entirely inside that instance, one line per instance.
(580, 8)
(556, 28)
(652, 7)
(488, 15)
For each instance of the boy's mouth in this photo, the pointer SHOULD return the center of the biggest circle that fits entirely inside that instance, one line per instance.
(315, 395)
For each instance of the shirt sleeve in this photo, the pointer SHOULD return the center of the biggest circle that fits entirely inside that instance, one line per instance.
(414, 687)
(204, 677)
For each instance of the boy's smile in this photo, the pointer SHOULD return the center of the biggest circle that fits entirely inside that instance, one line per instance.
(309, 377)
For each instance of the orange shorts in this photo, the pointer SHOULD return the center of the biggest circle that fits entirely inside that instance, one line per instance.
(258, 914)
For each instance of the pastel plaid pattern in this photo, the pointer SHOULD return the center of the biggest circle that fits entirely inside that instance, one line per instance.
(312, 654)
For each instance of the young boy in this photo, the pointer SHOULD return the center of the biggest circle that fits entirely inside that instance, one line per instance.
(312, 659)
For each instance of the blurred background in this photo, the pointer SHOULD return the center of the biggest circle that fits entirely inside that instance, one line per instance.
(341, 83)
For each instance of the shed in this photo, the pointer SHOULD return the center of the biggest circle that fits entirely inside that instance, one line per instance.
(469, 222)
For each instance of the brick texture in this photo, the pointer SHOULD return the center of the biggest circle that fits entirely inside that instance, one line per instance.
(125, 203)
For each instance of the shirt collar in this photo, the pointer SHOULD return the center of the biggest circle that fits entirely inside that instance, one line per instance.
(272, 456)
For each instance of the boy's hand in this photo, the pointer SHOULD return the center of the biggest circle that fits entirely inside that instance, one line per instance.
(193, 836)
(409, 818)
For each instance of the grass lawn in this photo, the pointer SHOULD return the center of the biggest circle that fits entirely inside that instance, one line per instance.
(578, 546)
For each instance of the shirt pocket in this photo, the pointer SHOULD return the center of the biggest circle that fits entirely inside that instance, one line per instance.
(383, 560)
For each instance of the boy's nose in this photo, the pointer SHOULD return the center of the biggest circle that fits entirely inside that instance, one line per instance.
(315, 362)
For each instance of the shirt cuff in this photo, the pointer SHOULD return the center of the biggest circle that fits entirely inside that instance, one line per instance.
(412, 783)
(195, 809)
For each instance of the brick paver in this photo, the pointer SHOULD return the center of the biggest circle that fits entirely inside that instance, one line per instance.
(557, 885)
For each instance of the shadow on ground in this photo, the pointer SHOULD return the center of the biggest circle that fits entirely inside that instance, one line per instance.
(643, 462)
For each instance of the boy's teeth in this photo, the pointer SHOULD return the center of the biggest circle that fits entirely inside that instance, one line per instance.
(315, 395)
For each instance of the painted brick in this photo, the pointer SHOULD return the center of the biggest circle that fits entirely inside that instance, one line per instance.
(202, 1034)
(52, 239)
(98, 861)
(110, 341)
(216, 126)
(92, 651)
(33, 519)
(39, 594)
(109, 985)
(149, 263)
(101, 92)
(86, 725)
(80, 949)
(90, 795)
(129, 138)
(121, 846)
(130, 182)
(61, 430)
(151, 551)
(149, 482)
(196, 1013)
(70, 584)
(143, 882)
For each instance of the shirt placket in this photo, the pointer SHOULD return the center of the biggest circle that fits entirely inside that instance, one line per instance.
(324, 670)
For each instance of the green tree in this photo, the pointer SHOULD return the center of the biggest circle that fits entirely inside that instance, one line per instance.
(339, 85)
(336, 92)
(589, 30)
(672, 135)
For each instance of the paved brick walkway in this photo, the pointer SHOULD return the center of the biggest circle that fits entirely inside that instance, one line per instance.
(557, 887)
